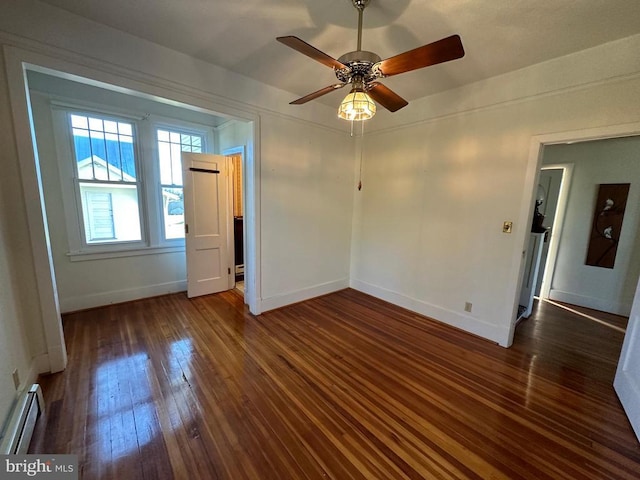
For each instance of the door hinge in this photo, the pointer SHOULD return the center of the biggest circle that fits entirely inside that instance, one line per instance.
(186, 229)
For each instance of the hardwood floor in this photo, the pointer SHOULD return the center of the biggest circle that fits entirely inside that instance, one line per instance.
(344, 387)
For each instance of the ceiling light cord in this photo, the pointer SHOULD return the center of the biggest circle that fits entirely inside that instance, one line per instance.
(360, 15)
(361, 154)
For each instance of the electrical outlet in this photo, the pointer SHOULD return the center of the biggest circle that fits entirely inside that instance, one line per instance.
(16, 379)
(507, 227)
(467, 306)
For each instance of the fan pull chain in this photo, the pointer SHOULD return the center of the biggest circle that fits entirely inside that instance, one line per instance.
(361, 150)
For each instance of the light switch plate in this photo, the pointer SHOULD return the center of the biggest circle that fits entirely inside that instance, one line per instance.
(507, 227)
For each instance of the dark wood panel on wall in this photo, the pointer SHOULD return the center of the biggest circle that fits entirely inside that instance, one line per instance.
(344, 386)
(606, 227)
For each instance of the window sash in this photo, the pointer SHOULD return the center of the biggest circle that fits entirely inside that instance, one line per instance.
(171, 143)
(104, 157)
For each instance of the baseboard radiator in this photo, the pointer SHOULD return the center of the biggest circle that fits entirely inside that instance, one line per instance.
(22, 422)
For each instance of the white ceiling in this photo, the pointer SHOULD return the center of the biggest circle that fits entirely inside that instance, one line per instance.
(498, 35)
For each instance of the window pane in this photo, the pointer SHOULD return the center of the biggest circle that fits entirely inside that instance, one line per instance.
(173, 212)
(176, 164)
(163, 136)
(100, 154)
(125, 129)
(128, 159)
(164, 154)
(95, 124)
(110, 126)
(171, 144)
(110, 212)
(79, 122)
(177, 171)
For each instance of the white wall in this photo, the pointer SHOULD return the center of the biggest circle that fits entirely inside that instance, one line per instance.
(306, 210)
(604, 161)
(21, 334)
(440, 180)
(306, 206)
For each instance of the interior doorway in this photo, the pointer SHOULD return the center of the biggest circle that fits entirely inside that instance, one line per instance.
(18, 64)
(565, 193)
(538, 148)
(235, 157)
(568, 276)
(550, 203)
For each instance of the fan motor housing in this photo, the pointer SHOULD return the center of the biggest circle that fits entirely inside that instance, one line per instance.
(358, 63)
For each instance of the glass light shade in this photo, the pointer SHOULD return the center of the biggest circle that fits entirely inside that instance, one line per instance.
(357, 106)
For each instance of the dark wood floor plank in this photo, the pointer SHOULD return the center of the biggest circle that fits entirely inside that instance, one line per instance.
(344, 386)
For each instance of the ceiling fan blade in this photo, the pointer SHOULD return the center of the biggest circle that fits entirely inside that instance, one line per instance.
(310, 51)
(386, 97)
(317, 94)
(441, 51)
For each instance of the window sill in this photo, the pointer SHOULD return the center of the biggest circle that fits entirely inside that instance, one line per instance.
(79, 256)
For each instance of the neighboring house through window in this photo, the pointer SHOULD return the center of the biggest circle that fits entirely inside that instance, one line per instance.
(99, 216)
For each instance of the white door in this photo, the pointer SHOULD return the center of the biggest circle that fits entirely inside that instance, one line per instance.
(627, 381)
(207, 218)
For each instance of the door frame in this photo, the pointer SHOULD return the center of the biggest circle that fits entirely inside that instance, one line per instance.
(558, 225)
(69, 65)
(227, 152)
(527, 206)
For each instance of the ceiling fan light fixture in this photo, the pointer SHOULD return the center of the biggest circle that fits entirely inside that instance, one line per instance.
(362, 69)
(357, 106)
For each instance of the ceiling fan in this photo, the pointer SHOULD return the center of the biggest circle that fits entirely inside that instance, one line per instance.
(361, 69)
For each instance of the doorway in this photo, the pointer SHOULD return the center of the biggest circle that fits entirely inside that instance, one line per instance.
(18, 64)
(235, 158)
(550, 204)
(568, 182)
(539, 144)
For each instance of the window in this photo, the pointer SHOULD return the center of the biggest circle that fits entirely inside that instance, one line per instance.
(121, 179)
(171, 144)
(105, 166)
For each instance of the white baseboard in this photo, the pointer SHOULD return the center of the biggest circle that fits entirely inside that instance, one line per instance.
(459, 320)
(81, 302)
(278, 301)
(603, 305)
